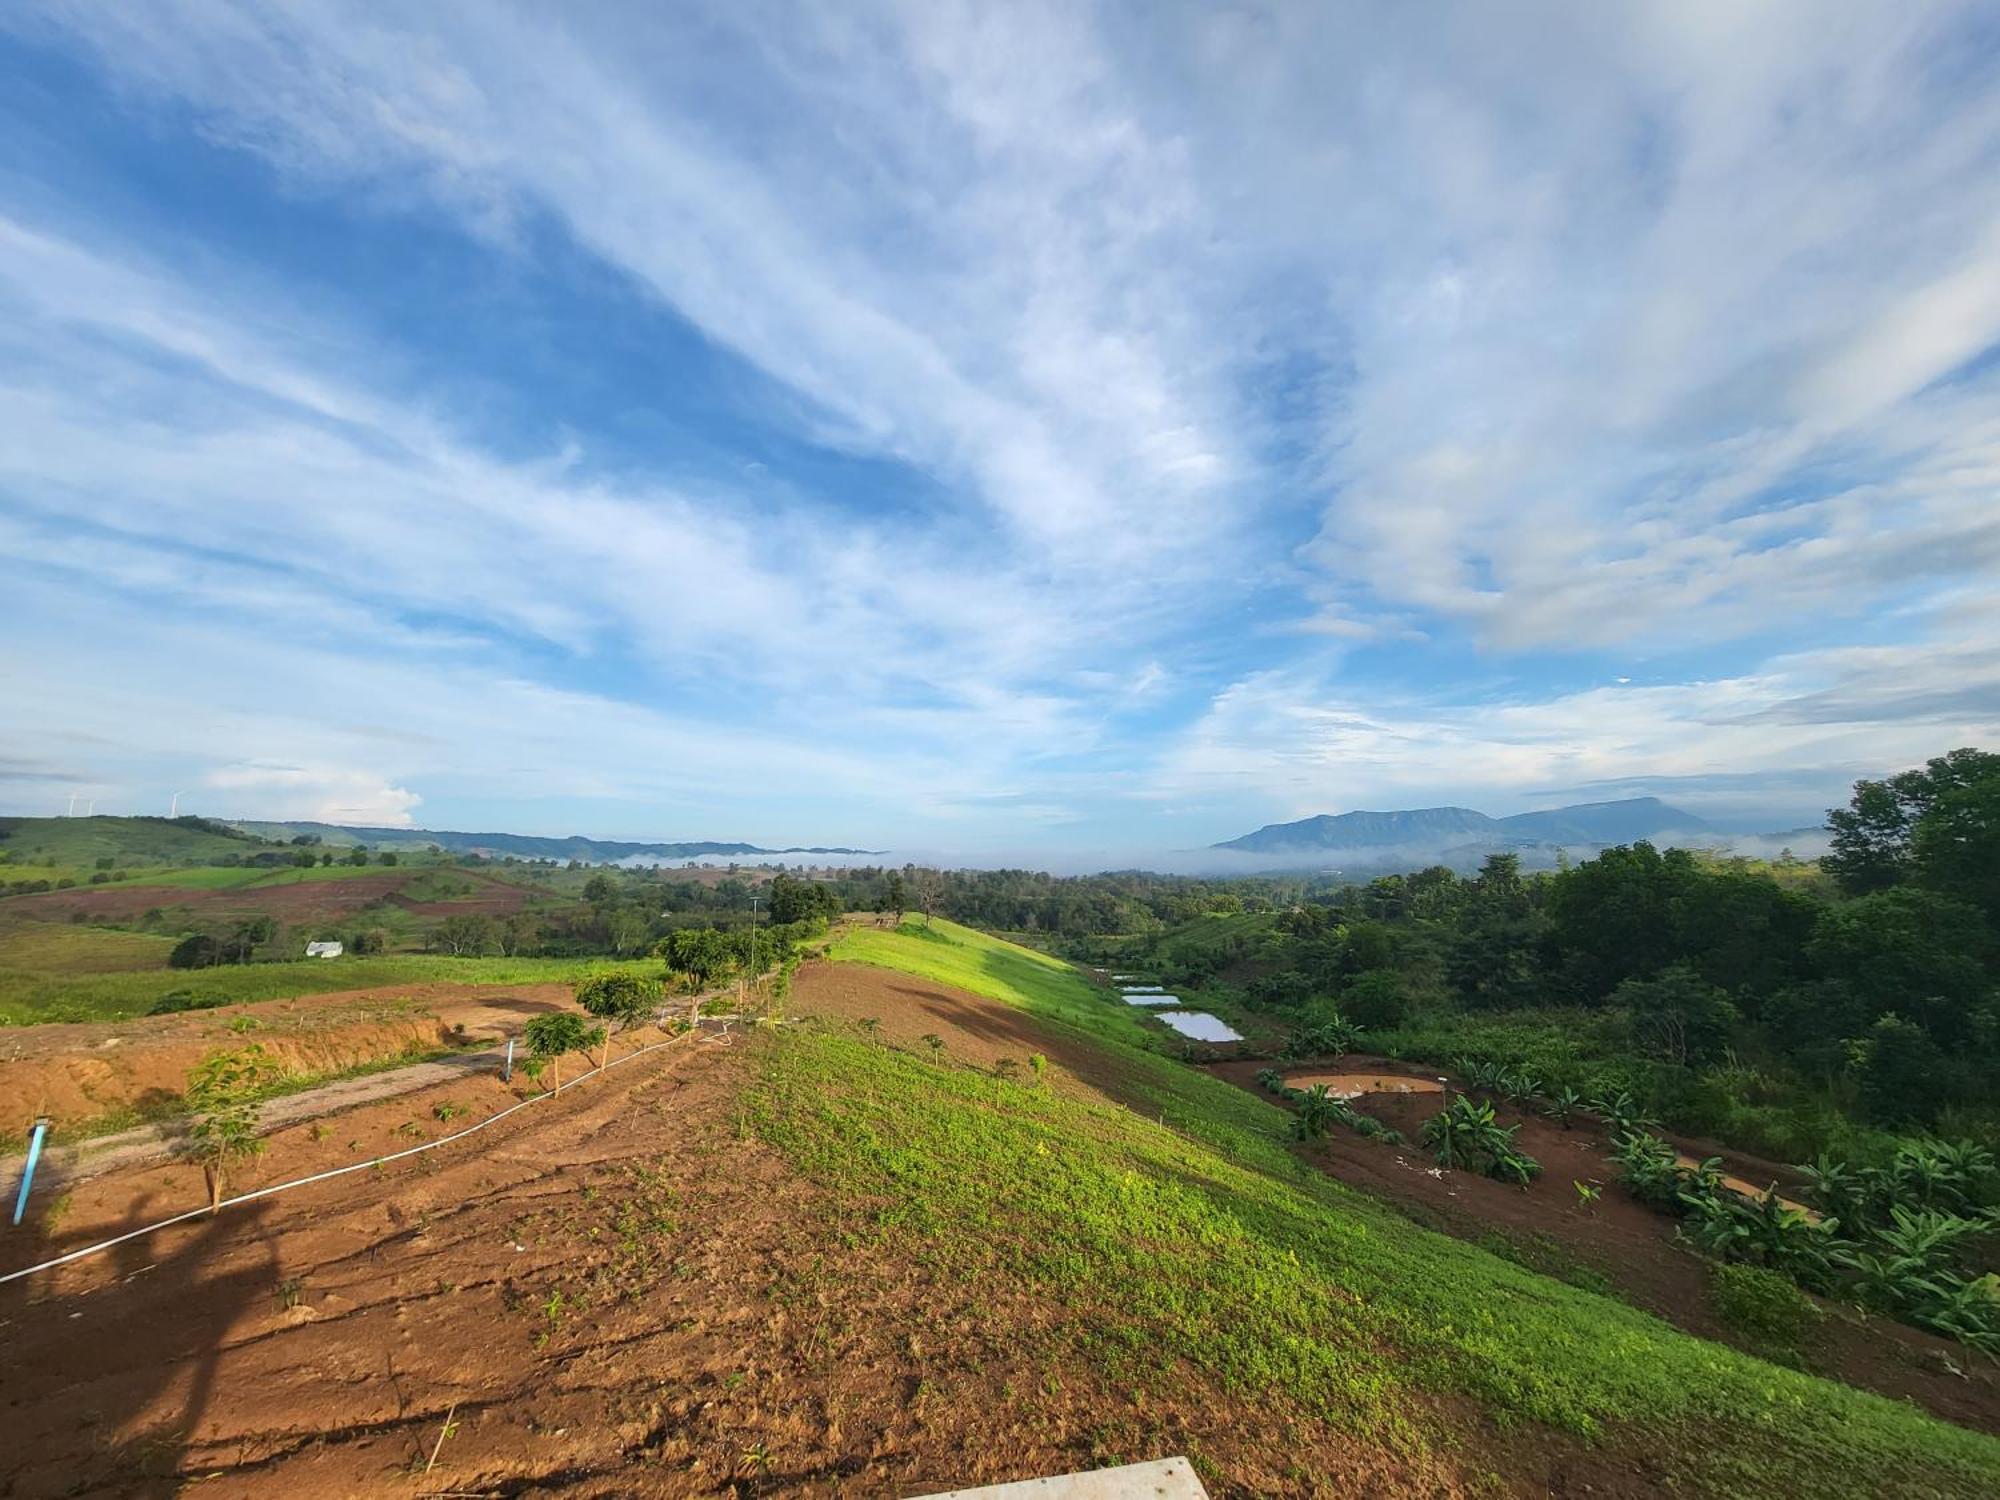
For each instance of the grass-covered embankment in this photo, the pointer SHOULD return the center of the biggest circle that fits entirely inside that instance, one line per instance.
(1181, 1235)
(30, 996)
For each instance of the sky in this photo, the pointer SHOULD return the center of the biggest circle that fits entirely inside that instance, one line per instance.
(1002, 432)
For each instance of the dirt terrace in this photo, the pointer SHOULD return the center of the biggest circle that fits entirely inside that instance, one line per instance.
(81, 1071)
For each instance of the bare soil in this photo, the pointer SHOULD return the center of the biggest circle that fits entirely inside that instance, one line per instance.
(304, 901)
(612, 1293)
(1629, 1246)
(618, 1292)
(78, 1072)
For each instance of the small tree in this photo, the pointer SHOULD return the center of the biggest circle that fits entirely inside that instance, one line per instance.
(222, 1090)
(896, 895)
(551, 1036)
(620, 999)
(468, 933)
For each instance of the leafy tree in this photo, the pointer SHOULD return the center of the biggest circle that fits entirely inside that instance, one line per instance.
(518, 933)
(386, 858)
(1912, 951)
(600, 892)
(801, 900)
(250, 934)
(1904, 1076)
(625, 930)
(895, 896)
(703, 954)
(1676, 1016)
(357, 856)
(368, 940)
(1873, 836)
(305, 859)
(199, 951)
(553, 1036)
(1955, 846)
(1376, 1000)
(222, 1091)
(466, 934)
(620, 999)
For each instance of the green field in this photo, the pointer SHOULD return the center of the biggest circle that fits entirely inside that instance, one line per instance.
(77, 842)
(30, 996)
(970, 960)
(1187, 1236)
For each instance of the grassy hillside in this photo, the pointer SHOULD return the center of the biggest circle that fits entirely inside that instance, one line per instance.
(80, 842)
(30, 995)
(1183, 1236)
(970, 960)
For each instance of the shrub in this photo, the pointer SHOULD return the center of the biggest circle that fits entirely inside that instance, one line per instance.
(1764, 1306)
(201, 951)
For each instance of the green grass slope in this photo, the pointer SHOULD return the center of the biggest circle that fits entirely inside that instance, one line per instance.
(1182, 1235)
(74, 842)
(970, 960)
(29, 996)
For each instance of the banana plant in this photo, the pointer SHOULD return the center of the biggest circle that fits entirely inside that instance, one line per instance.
(1563, 1106)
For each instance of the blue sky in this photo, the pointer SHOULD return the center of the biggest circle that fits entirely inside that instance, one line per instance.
(992, 431)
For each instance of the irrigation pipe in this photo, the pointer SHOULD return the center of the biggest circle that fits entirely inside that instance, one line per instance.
(359, 1166)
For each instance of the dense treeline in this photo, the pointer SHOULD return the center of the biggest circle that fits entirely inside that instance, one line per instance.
(1875, 988)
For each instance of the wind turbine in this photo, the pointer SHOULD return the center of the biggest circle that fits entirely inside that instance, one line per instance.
(175, 810)
(72, 806)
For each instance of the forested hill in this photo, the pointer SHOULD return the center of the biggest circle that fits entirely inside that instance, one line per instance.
(519, 845)
(1441, 830)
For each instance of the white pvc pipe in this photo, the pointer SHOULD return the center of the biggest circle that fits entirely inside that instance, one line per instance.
(359, 1166)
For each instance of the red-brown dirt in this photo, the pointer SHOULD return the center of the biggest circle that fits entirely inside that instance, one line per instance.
(620, 1292)
(613, 1293)
(301, 901)
(1630, 1246)
(77, 1072)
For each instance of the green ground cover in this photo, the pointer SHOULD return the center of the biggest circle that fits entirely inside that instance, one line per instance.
(1183, 1232)
(970, 960)
(29, 996)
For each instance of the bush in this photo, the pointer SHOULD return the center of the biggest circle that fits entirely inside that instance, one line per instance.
(201, 951)
(1376, 1000)
(175, 1001)
(1764, 1306)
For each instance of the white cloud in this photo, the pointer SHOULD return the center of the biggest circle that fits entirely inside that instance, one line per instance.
(1791, 734)
(323, 794)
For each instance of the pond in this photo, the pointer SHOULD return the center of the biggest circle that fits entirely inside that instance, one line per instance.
(1200, 1025)
(1354, 1085)
(1152, 999)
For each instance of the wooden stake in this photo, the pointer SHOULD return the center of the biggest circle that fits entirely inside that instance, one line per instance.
(443, 1433)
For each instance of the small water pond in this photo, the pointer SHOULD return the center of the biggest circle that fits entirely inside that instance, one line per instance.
(1152, 999)
(1200, 1025)
(1354, 1085)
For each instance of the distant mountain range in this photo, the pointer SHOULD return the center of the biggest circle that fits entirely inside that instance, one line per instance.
(520, 845)
(1452, 834)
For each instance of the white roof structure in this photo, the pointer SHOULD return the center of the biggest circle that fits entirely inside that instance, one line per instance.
(324, 950)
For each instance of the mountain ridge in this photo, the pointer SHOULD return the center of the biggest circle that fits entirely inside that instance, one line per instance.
(1579, 823)
(520, 845)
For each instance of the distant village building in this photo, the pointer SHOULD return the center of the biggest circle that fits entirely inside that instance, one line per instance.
(323, 950)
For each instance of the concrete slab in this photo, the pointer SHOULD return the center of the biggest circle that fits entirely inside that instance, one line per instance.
(1165, 1479)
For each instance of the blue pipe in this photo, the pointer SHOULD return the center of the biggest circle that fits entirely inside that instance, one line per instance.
(28, 1176)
